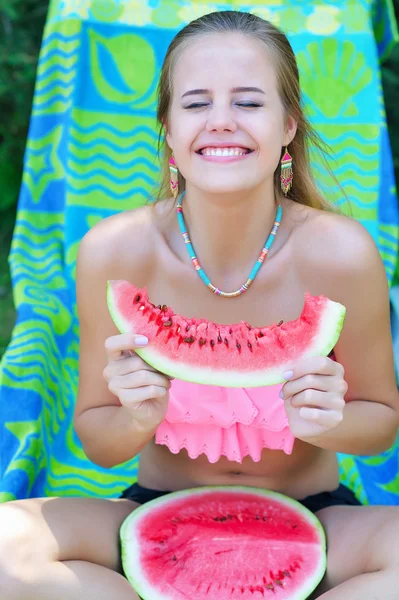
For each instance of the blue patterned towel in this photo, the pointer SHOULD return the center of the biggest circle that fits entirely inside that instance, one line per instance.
(91, 153)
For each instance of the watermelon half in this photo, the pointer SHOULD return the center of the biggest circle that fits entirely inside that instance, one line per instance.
(223, 543)
(235, 355)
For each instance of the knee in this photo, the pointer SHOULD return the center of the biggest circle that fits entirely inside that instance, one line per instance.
(20, 549)
(386, 543)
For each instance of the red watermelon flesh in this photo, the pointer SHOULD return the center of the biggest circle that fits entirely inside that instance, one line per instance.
(235, 355)
(224, 543)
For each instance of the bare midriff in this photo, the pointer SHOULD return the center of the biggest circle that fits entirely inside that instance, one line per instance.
(307, 471)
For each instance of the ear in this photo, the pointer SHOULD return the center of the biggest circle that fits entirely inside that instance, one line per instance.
(290, 130)
(168, 137)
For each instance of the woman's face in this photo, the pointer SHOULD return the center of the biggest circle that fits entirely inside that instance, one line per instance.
(227, 125)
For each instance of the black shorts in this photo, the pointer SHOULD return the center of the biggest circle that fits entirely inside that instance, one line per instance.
(342, 496)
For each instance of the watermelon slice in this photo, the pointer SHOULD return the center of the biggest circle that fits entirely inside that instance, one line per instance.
(223, 543)
(236, 355)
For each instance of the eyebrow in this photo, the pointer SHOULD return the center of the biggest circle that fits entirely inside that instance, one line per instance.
(235, 90)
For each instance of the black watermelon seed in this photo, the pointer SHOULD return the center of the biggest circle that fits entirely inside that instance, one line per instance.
(249, 345)
(168, 323)
(188, 340)
(188, 328)
(159, 306)
(164, 308)
(226, 342)
(280, 323)
(174, 557)
(219, 339)
(230, 331)
(264, 518)
(260, 334)
(212, 342)
(201, 341)
(257, 517)
(137, 298)
(238, 346)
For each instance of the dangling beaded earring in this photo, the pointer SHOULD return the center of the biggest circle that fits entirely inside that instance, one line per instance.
(174, 176)
(286, 174)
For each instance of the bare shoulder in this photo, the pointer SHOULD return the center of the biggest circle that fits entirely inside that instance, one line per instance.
(121, 246)
(336, 256)
(334, 252)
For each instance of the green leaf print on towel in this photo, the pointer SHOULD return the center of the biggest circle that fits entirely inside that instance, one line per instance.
(132, 59)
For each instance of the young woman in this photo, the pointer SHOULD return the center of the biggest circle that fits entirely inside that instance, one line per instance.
(229, 104)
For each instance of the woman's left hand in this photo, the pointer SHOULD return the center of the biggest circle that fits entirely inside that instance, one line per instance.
(314, 396)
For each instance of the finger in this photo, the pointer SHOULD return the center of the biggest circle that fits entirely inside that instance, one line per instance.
(321, 365)
(324, 383)
(130, 364)
(138, 379)
(117, 345)
(324, 418)
(310, 381)
(316, 399)
(133, 398)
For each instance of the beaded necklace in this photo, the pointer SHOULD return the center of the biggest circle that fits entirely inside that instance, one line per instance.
(200, 270)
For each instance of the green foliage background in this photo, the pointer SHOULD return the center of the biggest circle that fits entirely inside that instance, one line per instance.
(21, 29)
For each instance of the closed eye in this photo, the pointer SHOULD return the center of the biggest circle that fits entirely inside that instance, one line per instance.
(249, 104)
(241, 104)
(196, 105)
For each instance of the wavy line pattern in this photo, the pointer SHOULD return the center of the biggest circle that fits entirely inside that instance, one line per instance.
(91, 152)
(57, 69)
(125, 130)
(122, 173)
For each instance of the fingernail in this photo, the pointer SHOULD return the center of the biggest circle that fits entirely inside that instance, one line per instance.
(281, 394)
(288, 374)
(141, 340)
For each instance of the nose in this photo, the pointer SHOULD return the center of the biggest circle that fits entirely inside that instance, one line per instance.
(221, 118)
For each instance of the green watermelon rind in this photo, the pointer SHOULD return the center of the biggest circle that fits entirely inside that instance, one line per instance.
(131, 554)
(327, 336)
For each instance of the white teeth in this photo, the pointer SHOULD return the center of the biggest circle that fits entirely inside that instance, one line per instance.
(223, 151)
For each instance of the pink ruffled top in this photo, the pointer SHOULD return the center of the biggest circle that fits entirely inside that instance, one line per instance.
(231, 422)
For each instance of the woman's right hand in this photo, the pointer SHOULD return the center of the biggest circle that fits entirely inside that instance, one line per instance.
(142, 390)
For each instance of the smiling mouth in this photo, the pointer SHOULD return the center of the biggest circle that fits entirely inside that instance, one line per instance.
(227, 151)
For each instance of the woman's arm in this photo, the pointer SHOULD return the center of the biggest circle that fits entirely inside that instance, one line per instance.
(341, 261)
(118, 247)
(368, 428)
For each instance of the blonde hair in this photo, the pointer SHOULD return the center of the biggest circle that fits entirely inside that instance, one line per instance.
(304, 190)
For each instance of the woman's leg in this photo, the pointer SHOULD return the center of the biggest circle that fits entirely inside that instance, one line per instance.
(64, 548)
(363, 553)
